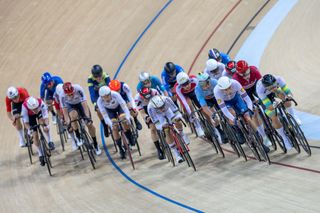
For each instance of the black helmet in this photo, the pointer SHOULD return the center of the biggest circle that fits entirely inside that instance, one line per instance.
(214, 54)
(268, 80)
(96, 70)
(169, 67)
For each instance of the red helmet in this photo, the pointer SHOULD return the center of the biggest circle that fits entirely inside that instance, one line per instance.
(242, 66)
(114, 85)
(231, 66)
(145, 93)
(68, 88)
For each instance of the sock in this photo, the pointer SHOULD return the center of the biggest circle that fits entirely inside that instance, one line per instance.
(48, 134)
(261, 131)
(21, 134)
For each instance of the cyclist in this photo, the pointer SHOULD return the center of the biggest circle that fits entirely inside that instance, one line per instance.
(14, 99)
(124, 90)
(230, 68)
(34, 110)
(269, 88)
(152, 82)
(74, 104)
(205, 96)
(185, 90)
(113, 107)
(232, 100)
(142, 99)
(215, 69)
(97, 79)
(218, 56)
(162, 109)
(168, 76)
(248, 77)
(47, 89)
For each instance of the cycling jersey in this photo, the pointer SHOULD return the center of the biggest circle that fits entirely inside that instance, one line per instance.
(216, 75)
(142, 103)
(56, 96)
(249, 84)
(47, 93)
(160, 118)
(183, 92)
(94, 86)
(114, 105)
(263, 93)
(204, 95)
(77, 97)
(233, 99)
(26, 112)
(155, 84)
(126, 94)
(23, 95)
(224, 58)
(169, 81)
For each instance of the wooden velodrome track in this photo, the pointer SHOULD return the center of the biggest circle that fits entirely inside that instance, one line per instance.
(68, 37)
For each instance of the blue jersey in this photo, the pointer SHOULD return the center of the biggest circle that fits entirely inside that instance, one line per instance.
(155, 84)
(225, 58)
(43, 88)
(169, 81)
(94, 86)
(203, 95)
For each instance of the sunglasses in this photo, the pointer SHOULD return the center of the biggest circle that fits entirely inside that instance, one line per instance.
(146, 81)
(246, 73)
(97, 76)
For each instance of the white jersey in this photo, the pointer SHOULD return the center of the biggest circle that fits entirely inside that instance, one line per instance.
(222, 96)
(57, 93)
(141, 103)
(25, 112)
(126, 89)
(222, 72)
(114, 103)
(76, 98)
(262, 91)
(160, 118)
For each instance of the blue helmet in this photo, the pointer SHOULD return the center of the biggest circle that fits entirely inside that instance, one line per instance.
(214, 54)
(46, 78)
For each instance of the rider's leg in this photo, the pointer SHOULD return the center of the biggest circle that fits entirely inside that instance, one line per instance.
(105, 126)
(155, 139)
(47, 132)
(127, 130)
(172, 145)
(134, 114)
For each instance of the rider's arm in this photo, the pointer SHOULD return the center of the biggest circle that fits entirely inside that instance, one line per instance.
(9, 109)
(123, 104)
(200, 97)
(244, 95)
(127, 90)
(25, 116)
(106, 78)
(44, 110)
(91, 90)
(183, 100)
(158, 84)
(42, 91)
(104, 113)
(165, 83)
(283, 86)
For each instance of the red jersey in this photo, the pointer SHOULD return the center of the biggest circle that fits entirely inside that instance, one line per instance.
(30, 112)
(255, 75)
(23, 95)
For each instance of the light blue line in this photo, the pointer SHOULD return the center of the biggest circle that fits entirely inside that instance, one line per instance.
(255, 45)
(102, 133)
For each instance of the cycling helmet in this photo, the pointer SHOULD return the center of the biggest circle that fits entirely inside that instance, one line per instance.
(212, 64)
(12, 92)
(224, 82)
(68, 88)
(157, 102)
(214, 54)
(231, 66)
(32, 103)
(104, 90)
(268, 80)
(96, 70)
(115, 85)
(145, 93)
(203, 77)
(46, 78)
(242, 66)
(182, 78)
(170, 67)
(144, 76)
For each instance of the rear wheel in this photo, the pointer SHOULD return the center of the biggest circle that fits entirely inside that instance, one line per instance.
(126, 145)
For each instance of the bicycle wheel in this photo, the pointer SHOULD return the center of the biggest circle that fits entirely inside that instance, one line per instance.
(299, 135)
(135, 136)
(231, 138)
(289, 131)
(114, 142)
(208, 134)
(258, 143)
(126, 145)
(29, 145)
(185, 151)
(214, 138)
(237, 144)
(45, 154)
(89, 148)
(165, 148)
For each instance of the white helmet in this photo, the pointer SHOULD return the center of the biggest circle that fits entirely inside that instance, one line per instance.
(202, 77)
(211, 64)
(144, 76)
(32, 103)
(157, 101)
(224, 82)
(103, 91)
(182, 78)
(12, 92)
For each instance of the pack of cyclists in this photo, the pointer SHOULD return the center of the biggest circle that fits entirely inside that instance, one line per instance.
(231, 87)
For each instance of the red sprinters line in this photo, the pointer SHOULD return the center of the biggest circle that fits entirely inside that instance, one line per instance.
(212, 33)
